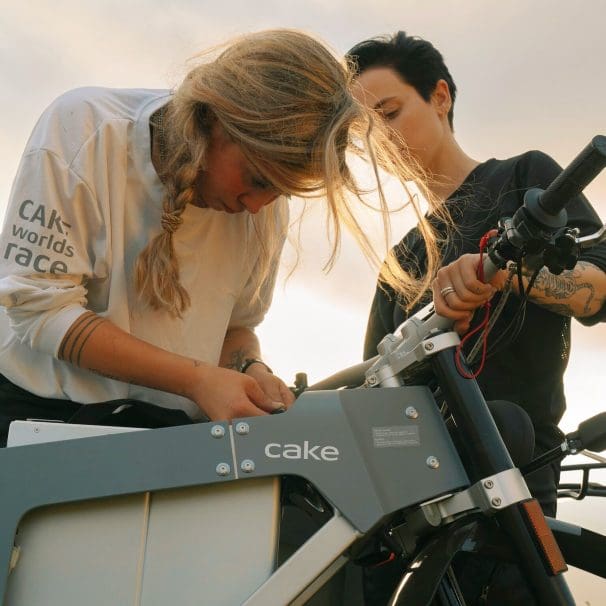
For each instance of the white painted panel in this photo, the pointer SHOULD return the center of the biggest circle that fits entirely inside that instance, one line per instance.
(211, 546)
(79, 554)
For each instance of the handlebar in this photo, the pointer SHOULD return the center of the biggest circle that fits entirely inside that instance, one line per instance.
(353, 375)
(575, 177)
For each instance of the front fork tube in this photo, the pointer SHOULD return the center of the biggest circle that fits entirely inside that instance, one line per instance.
(486, 454)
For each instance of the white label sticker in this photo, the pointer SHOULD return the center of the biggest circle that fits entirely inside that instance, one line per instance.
(396, 436)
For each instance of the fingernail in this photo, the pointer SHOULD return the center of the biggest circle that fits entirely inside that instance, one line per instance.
(278, 410)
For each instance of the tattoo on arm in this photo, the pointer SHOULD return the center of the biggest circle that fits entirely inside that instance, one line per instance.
(562, 289)
(77, 335)
(237, 359)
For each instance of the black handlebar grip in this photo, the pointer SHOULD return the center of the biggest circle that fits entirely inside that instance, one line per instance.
(575, 177)
(592, 433)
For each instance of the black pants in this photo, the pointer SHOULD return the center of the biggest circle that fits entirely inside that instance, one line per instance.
(17, 404)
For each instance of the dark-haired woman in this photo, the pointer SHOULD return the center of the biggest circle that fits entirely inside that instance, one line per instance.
(405, 80)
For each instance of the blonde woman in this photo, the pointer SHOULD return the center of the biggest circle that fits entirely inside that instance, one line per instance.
(144, 228)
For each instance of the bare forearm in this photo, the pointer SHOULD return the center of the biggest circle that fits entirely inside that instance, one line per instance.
(239, 344)
(95, 344)
(579, 292)
(98, 345)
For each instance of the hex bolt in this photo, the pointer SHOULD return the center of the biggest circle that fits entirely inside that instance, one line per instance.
(223, 469)
(488, 484)
(412, 412)
(217, 431)
(496, 502)
(428, 346)
(247, 466)
(372, 380)
(242, 428)
(433, 462)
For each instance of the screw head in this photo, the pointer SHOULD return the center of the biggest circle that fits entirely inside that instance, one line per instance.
(496, 502)
(412, 412)
(217, 431)
(489, 484)
(242, 428)
(433, 462)
(372, 380)
(428, 346)
(247, 466)
(223, 469)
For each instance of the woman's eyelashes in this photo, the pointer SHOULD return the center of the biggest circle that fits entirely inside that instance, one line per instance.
(259, 182)
(390, 114)
(262, 184)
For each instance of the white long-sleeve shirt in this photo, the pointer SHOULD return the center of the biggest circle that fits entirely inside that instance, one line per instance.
(86, 200)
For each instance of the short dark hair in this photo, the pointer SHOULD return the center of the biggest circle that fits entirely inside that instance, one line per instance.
(417, 61)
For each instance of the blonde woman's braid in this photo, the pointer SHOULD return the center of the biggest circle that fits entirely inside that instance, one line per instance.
(170, 221)
(157, 268)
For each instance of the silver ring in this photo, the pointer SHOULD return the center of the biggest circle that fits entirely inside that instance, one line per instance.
(447, 290)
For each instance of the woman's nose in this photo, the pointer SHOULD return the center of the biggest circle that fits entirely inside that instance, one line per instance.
(254, 202)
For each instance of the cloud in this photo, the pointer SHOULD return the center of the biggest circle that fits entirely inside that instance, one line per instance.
(528, 76)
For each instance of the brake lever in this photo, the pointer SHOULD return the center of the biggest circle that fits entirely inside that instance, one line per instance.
(592, 239)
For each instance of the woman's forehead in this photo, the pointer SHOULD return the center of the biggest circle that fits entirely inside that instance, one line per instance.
(376, 84)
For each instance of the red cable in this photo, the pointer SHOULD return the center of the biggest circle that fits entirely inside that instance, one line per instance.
(390, 558)
(483, 325)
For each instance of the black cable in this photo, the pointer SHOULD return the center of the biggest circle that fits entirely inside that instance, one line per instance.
(516, 323)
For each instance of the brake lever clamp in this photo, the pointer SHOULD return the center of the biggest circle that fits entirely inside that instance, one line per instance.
(562, 251)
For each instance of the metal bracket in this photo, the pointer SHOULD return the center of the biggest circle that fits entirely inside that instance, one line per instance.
(488, 495)
(396, 359)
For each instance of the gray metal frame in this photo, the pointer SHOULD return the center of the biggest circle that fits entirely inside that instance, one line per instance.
(314, 563)
(386, 459)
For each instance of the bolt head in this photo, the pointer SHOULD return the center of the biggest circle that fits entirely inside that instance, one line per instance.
(489, 484)
(223, 469)
(242, 428)
(433, 462)
(496, 502)
(217, 431)
(412, 412)
(247, 466)
(428, 346)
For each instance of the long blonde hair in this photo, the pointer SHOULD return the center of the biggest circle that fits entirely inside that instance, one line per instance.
(287, 101)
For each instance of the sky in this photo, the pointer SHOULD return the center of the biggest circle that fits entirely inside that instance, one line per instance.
(530, 76)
